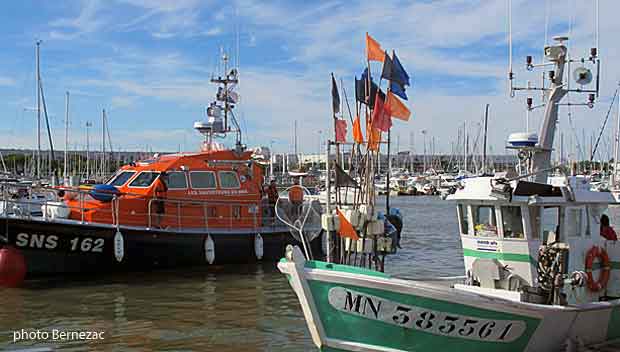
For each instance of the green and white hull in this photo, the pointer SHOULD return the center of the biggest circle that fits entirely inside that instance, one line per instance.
(353, 309)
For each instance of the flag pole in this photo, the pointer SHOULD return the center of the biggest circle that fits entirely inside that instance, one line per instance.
(335, 138)
(389, 134)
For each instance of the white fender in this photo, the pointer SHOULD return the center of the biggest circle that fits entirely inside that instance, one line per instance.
(258, 246)
(209, 250)
(119, 246)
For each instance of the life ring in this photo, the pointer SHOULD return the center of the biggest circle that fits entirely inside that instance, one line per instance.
(597, 252)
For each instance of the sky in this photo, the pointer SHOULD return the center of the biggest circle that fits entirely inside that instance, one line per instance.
(148, 63)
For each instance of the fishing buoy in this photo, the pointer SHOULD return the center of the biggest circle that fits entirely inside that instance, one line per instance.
(119, 246)
(209, 250)
(12, 267)
(258, 246)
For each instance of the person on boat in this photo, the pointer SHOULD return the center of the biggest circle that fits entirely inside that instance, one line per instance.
(606, 230)
(272, 195)
(161, 190)
(296, 197)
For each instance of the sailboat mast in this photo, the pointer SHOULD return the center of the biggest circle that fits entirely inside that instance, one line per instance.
(484, 148)
(617, 140)
(103, 161)
(88, 125)
(65, 172)
(38, 168)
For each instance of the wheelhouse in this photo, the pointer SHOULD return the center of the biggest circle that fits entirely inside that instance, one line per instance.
(504, 227)
(219, 189)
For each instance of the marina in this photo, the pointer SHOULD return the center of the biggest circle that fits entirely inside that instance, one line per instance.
(222, 187)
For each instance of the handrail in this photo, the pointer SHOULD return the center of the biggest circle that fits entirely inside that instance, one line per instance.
(234, 216)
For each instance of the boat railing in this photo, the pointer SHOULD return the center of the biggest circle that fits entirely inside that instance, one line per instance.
(44, 202)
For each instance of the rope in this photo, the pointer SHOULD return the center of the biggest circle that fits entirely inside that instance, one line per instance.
(604, 124)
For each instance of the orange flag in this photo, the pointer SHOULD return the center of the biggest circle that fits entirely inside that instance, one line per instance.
(346, 229)
(373, 136)
(397, 108)
(373, 49)
(358, 137)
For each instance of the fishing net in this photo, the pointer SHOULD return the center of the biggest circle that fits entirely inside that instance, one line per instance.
(302, 216)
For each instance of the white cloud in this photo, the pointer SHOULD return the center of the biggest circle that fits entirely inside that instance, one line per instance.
(122, 102)
(212, 32)
(87, 21)
(7, 81)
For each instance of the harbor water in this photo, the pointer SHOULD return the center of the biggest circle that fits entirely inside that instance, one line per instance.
(232, 308)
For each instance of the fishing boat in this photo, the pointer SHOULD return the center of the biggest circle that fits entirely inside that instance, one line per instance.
(195, 208)
(539, 275)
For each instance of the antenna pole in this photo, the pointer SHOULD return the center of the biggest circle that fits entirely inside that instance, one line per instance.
(596, 24)
(510, 73)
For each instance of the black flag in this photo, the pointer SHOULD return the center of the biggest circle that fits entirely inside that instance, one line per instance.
(360, 92)
(343, 179)
(335, 96)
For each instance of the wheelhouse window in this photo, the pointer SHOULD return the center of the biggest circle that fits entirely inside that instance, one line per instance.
(202, 179)
(485, 223)
(534, 222)
(144, 179)
(573, 222)
(588, 221)
(121, 178)
(462, 214)
(550, 224)
(176, 180)
(228, 179)
(512, 222)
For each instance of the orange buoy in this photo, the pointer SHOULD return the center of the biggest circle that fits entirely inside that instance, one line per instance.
(12, 267)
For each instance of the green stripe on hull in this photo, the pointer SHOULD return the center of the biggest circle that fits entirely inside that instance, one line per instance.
(355, 328)
(512, 257)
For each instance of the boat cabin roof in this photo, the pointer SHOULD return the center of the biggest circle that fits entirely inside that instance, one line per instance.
(560, 190)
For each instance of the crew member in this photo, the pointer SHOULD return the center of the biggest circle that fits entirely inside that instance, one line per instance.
(272, 195)
(606, 230)
(296, 197)
(161, 190)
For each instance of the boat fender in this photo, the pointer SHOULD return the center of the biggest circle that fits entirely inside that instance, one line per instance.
(601, 254)
(258, 246)
(119, 246)
(12, 267)
(209, 250)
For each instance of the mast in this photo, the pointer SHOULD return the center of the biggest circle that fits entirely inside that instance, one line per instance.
(38, 78)
(616, 146)
(424, 157)
(541, 160)
(103, 158)
(88, 126)
(484, 148)
(295, 142)
(466, 149)
(65, 173)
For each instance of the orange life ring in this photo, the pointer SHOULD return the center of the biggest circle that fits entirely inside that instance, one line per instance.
(597, 252)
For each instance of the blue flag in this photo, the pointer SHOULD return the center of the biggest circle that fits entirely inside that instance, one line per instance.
(365, 75)
(398, 72)
(398, 90)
